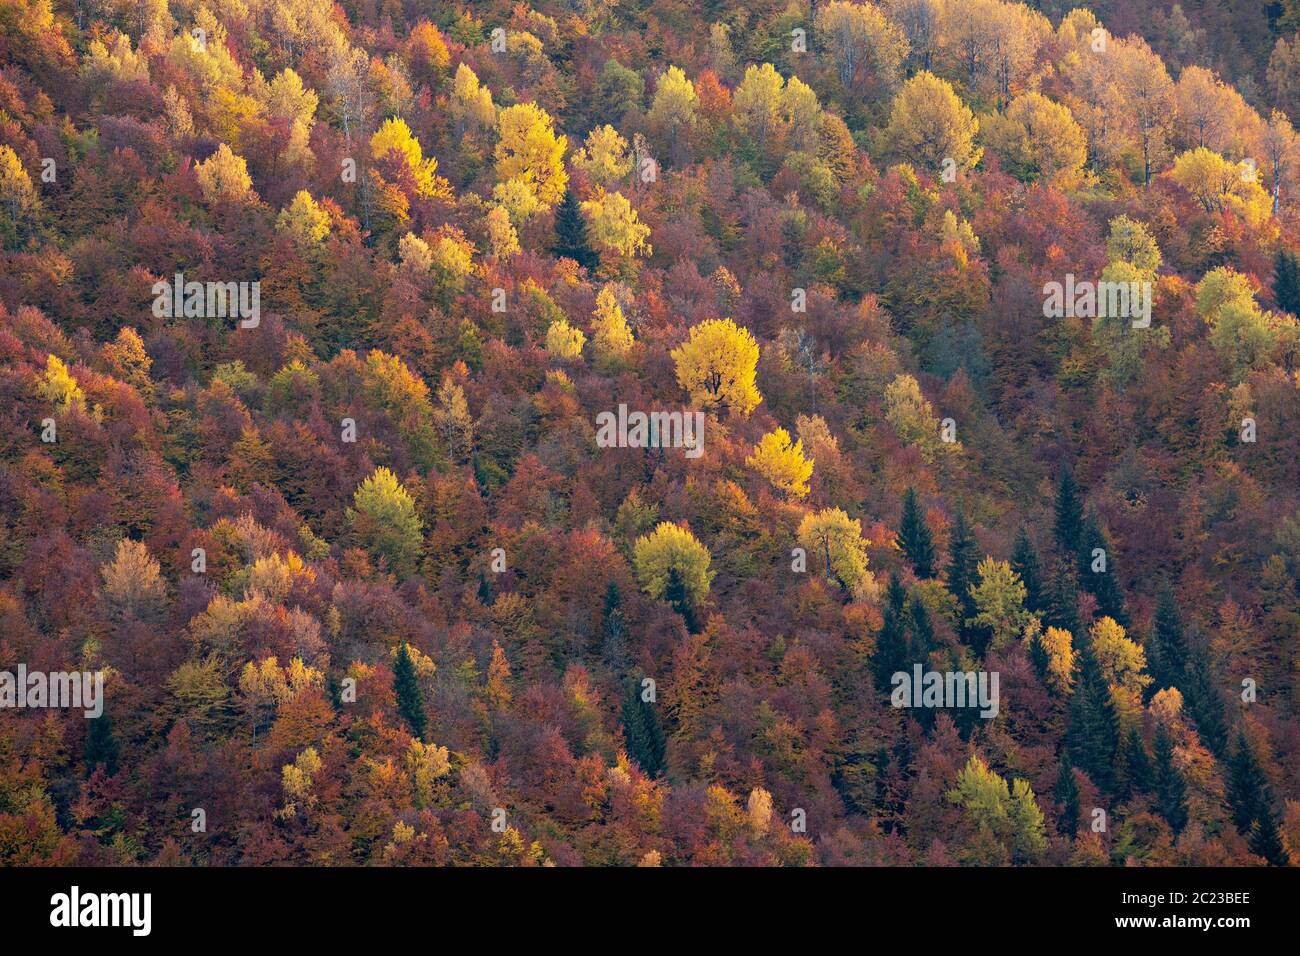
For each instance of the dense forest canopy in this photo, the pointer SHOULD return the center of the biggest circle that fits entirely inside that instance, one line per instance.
(575, 432)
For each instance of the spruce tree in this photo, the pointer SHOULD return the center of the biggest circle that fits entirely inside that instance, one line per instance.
(891, 655)
(963, 558)
(101, 745)
(1167, 648)
(914, 537)
(571, 240)
(1264, 841)
(1201, 699)
(1062, 609)
(1286, 281)
(1093, 732)
(410, 700)
(334, 691)
(677, 596)
(1246, 789)
(1024, 561)
(614, 629)
(1069, 514)
(1067, 795)
(1170, 790)
(922, 632)
(895, 594)
(1103, 584)
(641, 730)
(1038, 655)
(1137, 767)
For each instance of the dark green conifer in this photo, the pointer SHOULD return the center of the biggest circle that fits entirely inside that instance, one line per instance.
(1024, 561)
(963, 558)
(410, 700)
(641, 730)
(1069, 514)
(571, 241)
(1067, 795)
(1093, 732)
(1170, 790)
(101, 745)
(914, 537)
(1286, 281)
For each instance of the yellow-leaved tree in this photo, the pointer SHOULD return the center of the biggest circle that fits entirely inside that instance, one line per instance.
(529, 151)
(564, 342)
(929, 123)
(385, 522)
(1243, 334)
(59, 387)
(673, 111)
(835, 539)
(782, 463)
(17, 193)
(604, 156)
(1055, 647)
(303, 220)
(668, 552)
(223, 177)
(1123, 665)
(615, 230)
(1219, 185)
(912, 416)
(613, 336)
(1039, 137)
(471, 103)
(717, 364)
(395, 137)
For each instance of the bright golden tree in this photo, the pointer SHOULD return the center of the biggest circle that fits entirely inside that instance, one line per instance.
(613, 336)
(835, 539)
(717, 365)
(672, 548)
(782, 463)
(929, 123)
(529, 151)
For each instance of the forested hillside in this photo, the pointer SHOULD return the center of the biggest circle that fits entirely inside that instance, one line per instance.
(563, 433)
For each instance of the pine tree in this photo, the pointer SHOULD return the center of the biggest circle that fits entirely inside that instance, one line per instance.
(1286, 281)
(963, 558)
(641, 730)
(1137, 767)
(1024, 561)
(1171, 791)
(571, 240)
(1167, 648)
(914, 537)
(1067, 795)
(1069, 514)
(1093, 732)
(101, 745)
(1103, 584)
(410, 700)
